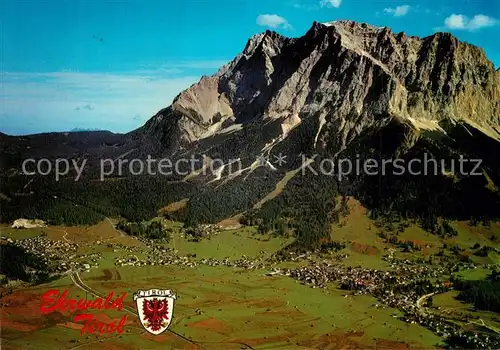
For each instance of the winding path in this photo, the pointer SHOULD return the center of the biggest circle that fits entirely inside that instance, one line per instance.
(114, 227)
(424, 298)
(61, 230)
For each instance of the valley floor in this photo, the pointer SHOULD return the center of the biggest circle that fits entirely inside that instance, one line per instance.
(232, 295)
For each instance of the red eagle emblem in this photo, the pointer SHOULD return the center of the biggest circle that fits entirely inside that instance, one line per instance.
(155, 308)
(155, 313)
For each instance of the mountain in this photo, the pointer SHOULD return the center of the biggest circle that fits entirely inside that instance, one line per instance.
(343, 77)
(84, 129)
(343, 91)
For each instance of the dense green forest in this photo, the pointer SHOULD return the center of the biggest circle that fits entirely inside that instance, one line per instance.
(432, 194)
(89, 201)
(308, 204)
(211, 204)
(152, 230)
(16, 263)
(306, 208)
(484, 294)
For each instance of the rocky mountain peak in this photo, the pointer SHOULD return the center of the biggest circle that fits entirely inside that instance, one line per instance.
(265, 42)
(344, 76)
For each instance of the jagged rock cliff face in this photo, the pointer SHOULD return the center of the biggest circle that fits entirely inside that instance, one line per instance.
(342, 77)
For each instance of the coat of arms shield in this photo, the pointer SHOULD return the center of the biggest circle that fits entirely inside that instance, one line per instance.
(155, 308)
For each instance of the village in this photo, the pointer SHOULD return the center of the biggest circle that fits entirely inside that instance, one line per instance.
(405, 286)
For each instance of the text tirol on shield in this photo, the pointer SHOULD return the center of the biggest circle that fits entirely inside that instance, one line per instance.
(155, 308)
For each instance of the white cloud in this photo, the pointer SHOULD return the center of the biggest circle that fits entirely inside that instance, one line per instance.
(456, 22)
(330, 3)
(481, 21)
(398, 11)
(273, 21)
(462, 22)
(59, 101)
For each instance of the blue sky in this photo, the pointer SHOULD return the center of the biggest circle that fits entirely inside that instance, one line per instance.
(112, 64)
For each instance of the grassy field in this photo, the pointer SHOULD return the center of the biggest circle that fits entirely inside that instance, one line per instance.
(218, 307)
(102, 232)
(473, 274)
(231, 244)
(15, 234)
(223, 307)
(245, 305)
